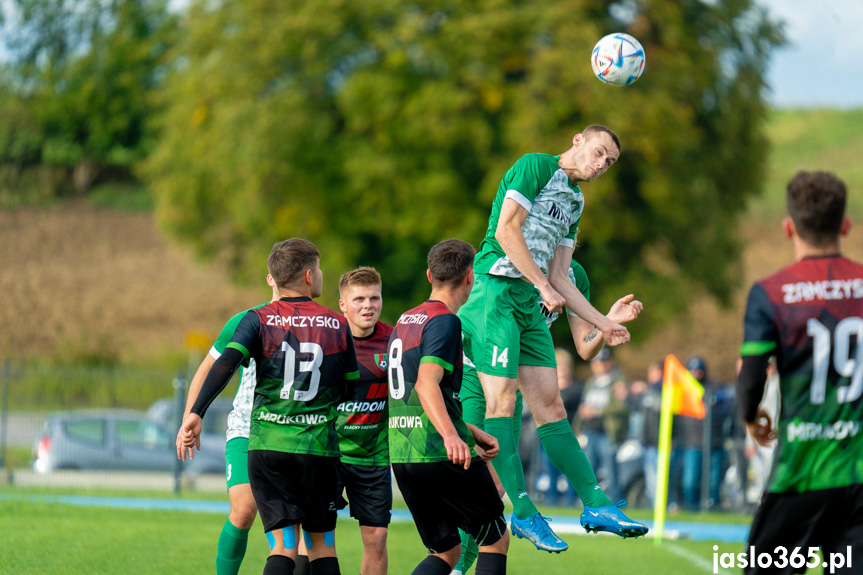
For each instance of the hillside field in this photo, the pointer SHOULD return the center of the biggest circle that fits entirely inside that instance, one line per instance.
(83, 282)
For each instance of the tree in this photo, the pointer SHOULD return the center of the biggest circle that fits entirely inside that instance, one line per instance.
(85, 70)
(384, 127)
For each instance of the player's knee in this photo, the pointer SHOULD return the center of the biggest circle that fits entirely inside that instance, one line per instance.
(493, 535)
(376, 540)
(243, 515)
(502, 405)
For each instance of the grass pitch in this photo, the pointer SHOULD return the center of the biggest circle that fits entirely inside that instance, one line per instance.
(39, 537)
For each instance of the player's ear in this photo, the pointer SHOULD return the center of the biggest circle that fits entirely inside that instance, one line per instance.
(578, 139)
(846, 226)
(788, 226)
(270, 281)
(429, 276)
(342, 306)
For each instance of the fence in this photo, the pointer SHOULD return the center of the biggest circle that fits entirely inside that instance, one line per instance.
(101, 427)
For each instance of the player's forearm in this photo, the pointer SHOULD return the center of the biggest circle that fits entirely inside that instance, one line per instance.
(576, 302)
(513, 244)
(586, 337)
(198, 382)
(217, 379)
(434, 407)
(750, 385)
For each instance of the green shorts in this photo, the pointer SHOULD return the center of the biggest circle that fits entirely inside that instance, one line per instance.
(237, 461)
(504, 328)
(473, 403)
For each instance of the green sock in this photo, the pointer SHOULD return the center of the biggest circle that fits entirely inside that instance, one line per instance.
(565, 453)
(231, 550)
(469, 552)
(507, 464)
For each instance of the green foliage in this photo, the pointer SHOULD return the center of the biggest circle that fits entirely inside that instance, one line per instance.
(78, 88)
(828, 140)
(385, 127)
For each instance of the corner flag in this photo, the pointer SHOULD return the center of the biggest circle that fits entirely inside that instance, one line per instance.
(681, 395)
(687, 391)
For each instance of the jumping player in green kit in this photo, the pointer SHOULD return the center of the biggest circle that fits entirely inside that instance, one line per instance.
(305, 361)
(526, 254)
(587, 342)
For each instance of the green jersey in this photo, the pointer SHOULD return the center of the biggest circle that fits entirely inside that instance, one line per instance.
(541, 187)
(579, 279)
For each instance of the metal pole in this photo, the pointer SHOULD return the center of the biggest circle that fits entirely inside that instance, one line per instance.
(4, 413)
(180, 395)
(706, 447)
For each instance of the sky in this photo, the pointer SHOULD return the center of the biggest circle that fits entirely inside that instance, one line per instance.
(822, 64)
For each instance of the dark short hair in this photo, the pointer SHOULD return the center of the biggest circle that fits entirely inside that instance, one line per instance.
(816, 204)
(449, 262)
(361, 277)
(596, 128)
(289, 260)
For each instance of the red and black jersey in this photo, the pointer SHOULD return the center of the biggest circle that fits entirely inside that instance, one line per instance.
(427, 333)
(810, 316)
(304, 355)
(362, 416)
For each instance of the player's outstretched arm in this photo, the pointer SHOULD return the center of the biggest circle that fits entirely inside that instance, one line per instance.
(625, 309)
(217, 379)
(588, 339)
(194, 390)
(558, 274)
(431, 399)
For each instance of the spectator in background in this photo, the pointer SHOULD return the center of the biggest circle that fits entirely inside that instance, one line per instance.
(649, 407)
(721, 410)
(552, 485)
(602, 417)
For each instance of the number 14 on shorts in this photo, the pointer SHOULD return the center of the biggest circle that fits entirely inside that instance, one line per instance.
(501, 358)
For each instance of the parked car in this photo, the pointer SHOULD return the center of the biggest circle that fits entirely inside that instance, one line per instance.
(166, 413)
(116, 439)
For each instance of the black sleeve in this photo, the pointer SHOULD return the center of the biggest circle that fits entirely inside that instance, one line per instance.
(750, 384)
(217, 379)
(441, 342)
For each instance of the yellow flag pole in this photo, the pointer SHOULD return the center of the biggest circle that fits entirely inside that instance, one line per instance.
(663, 459)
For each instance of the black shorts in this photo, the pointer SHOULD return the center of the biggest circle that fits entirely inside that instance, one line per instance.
(292, 489)
(370, 491)
(829, 518)
(443, 497)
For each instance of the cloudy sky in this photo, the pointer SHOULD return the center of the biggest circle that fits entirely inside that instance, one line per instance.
(822, 66)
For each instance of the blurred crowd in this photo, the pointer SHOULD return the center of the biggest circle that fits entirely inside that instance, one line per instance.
(712, 466)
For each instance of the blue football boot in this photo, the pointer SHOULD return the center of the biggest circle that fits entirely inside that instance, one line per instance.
(536, 530)
(610, 518)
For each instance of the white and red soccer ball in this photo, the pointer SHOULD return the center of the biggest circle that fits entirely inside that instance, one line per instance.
(618, 59)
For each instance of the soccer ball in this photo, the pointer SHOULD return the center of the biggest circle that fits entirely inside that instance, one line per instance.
(618, 59)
